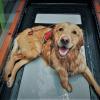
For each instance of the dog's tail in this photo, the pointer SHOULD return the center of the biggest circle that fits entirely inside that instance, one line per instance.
(88, 75)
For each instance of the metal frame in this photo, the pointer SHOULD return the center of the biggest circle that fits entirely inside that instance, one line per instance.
(9, 36)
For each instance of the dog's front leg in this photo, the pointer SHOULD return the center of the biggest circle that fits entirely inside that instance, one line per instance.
(89, 77)
(64, 78)
(85, 71)
(61, 72)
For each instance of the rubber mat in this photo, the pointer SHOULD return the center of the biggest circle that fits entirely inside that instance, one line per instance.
(39, 81)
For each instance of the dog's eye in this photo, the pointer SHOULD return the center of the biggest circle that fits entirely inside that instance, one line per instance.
(61, 29)
(74, 32)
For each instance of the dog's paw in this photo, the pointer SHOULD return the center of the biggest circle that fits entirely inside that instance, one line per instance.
(69, 88)
(6, 76)
(10, 82)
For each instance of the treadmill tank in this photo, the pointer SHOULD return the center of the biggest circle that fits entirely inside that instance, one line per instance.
(33, 10)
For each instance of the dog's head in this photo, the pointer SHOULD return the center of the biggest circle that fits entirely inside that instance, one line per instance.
(67, 37)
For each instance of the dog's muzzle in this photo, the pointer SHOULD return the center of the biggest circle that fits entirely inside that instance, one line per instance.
(64, 46)
(64, 41)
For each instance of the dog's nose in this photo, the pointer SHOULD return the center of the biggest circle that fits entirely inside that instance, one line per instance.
(64, 41)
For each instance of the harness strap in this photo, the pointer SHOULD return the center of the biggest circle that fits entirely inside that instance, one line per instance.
(47, 35)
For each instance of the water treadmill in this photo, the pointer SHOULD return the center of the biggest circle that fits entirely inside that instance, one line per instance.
(38, 81)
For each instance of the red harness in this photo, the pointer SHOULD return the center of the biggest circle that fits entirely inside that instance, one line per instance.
(47, 35)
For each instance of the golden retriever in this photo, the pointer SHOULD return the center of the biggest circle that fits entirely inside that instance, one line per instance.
(59, 46)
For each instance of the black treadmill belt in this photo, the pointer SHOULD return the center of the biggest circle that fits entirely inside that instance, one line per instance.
(89, 28)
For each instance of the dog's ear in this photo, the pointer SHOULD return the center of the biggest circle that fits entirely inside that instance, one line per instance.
(81, 40)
